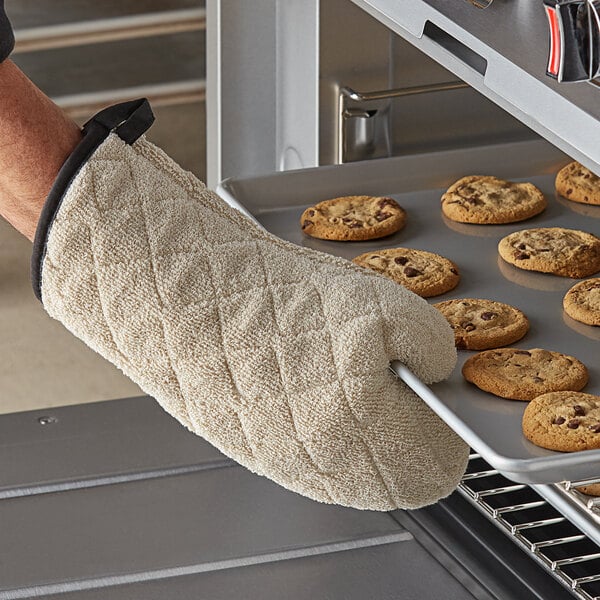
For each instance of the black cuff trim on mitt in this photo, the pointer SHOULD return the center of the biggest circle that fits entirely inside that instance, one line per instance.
(7, 39)
(129, 120)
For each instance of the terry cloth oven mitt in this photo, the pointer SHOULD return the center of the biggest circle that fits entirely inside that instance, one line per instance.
(7, 39)
(276, 354)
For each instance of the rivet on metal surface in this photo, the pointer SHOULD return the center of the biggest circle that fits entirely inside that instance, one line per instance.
(47, 420)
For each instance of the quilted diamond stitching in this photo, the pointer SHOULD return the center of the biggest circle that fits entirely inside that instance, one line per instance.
(184, 187)
(284, 387)
(349, 406)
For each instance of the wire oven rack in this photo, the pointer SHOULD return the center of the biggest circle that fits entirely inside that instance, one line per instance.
(544, 533)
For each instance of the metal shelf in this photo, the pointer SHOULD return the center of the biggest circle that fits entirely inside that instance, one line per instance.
(535, 524)
(502, 53)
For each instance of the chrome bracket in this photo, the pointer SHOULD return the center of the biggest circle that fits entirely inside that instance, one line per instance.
(363, 119)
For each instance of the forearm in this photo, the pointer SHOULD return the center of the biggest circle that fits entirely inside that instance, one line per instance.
(36, 138)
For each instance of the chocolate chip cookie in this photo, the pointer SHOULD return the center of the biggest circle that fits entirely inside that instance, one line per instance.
(488, 200)
(353, 218)
(424, 273)
(524, 374)
(592, 489)
(565, 252)
(582, 302)
(481, 324)
(564, 421)
(577, 183)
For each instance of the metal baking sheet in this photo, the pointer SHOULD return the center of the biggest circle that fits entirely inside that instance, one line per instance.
(491, 425)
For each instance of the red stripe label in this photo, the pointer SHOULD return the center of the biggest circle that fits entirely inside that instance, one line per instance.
(554, 58)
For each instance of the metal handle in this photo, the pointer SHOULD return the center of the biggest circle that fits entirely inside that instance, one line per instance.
(400, 92)
(348, 94)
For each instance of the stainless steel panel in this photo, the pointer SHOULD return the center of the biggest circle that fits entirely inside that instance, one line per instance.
(489, 424)
(511, 38)
(358, 51)
(262, 92)
(157, 528)
(241, 100)
(354, 51)
(95, 444)
(396, 570)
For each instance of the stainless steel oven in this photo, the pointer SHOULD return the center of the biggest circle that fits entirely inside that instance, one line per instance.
(116, 500)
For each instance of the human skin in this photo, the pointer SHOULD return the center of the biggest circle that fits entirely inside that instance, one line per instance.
(36, 138)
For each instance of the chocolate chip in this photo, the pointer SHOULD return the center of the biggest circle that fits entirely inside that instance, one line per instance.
(569, 191)
(387, 202)
(537, 379)
(558, 420)
(468, 326)
(595, 428)
(381, 216)
(375, 256)
(586, 198)
(579, 410)
(453, 271)
(522, 256)
(410, 272)
(587, 176)
(401, 260)
(573, 423)
(311, 213)
(488, 316)
(356, 225)
(523, 352)
(306, 224)
(521, 246)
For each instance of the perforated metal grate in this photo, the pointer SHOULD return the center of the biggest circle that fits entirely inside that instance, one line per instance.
(548, 536)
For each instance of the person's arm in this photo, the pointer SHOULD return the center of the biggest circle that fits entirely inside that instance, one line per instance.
(35, 139)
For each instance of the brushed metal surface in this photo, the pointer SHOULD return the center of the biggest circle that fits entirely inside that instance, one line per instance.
(358, 51)
(95, 444)
(395, 570)
(160, 527)
(512, 38)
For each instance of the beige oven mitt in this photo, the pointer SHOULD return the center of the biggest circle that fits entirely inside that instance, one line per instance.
(276, 354)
